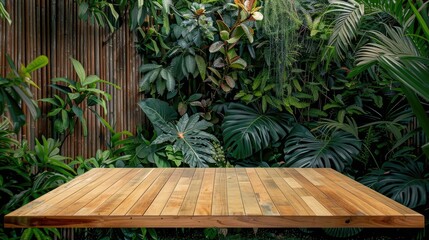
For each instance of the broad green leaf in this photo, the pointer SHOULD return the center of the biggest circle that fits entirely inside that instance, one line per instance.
(149, 67)
(80, 71)
(190, 64)
(202, 66)
(37, 63)
(222, 26)
(90, 80)
(248, 32)
(246, 131)
(216, 46)
(159, 113)
(303, 149)
(79, 113)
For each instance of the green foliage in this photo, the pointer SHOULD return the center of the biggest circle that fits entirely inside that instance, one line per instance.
(14, 89)
(67, 110)
(335, 150)
(260, 90)
(347, 22)
(187, 135)
(224, 70)
(94, 12)
(246, 130)
(406, 181)
(280, 24)
(102, 159)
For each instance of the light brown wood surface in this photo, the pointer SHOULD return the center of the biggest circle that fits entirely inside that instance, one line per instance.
(214, 197)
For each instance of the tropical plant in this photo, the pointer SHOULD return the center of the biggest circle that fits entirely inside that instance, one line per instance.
(14, 89)
(398, 51)
(187, 135)
(247, 131)
(406, 181)
(225, 67)
(93, 11)
(13, 177)
(326, 150)
(67, 110)
(280, 25)
(102, 159)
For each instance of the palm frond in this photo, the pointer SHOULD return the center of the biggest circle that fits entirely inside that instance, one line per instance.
(393, 8)
(346, 26)
(398, 57)
(247, 131)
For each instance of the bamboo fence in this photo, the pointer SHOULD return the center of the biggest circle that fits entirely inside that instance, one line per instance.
(53, 28)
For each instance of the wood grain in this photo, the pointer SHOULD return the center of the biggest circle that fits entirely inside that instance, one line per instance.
(240, 197)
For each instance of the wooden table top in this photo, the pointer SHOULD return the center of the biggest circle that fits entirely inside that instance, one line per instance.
(213, 197)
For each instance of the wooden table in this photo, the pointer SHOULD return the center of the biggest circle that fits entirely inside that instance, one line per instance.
(213, 197)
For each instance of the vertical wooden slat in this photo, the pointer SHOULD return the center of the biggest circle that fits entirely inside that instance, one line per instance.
(52, 28)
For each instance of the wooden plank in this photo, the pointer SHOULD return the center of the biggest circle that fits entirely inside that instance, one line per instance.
(205, 198)
(116, 199)
(297, 202)
(159, 202)
(217, 221)
(330, 201)
(381, 202)
(62, 191)
(250, 202)
(281, 201)
(104, 196)
(75, 202)
(347, 198)
(265, 202)
(235, 202)
(173, 204)
(135, 195)
(188, 206)
(143, 203)
(252, 197)
(220, 202)
(59, 202)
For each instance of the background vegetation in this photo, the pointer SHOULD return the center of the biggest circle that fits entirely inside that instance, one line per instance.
(240, 83)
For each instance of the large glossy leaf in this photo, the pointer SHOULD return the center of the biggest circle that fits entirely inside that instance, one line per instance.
(246, 130)
(159, 113)
(189, 137)
(336, 150)
(404, 181)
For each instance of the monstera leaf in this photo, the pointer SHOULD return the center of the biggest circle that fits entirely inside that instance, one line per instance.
(246, 130)
(405, 182)
(336, 150)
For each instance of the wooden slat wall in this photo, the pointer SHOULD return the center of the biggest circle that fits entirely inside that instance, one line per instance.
(52, 28)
